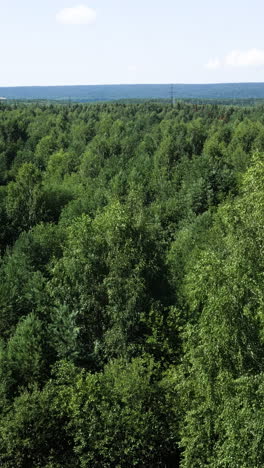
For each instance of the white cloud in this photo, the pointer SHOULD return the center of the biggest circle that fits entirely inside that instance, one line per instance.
(246, 58)
(132, 68)
(238, 58)
(79, 14)
(213, 64)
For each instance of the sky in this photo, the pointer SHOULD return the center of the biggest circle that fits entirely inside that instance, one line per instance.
(75, 42)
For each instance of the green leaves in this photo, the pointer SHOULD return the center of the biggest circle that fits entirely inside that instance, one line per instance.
(23, 202)
(63, 333)
(131, 285)
(114, 419)
(223, 346)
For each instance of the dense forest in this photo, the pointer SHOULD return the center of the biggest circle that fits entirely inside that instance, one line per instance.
(131, 285)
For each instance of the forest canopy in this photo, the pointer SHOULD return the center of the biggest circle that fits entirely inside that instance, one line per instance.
(131, 285)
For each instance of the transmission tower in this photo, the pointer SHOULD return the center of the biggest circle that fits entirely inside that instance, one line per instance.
(172, 95)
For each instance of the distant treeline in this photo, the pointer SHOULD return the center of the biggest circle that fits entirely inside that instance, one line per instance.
(96, 93)
(171, 101)
(131, 285)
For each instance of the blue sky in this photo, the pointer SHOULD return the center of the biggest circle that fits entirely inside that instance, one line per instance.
(59, 42)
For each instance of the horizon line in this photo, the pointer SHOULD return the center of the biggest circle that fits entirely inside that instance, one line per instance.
(134, 84)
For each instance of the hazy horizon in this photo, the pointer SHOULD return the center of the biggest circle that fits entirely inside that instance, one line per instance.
(134, 84)
(112, 92)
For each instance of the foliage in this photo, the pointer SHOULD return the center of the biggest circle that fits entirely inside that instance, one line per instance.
(131, 285)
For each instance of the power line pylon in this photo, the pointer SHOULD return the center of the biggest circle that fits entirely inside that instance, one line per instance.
(172, 95)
